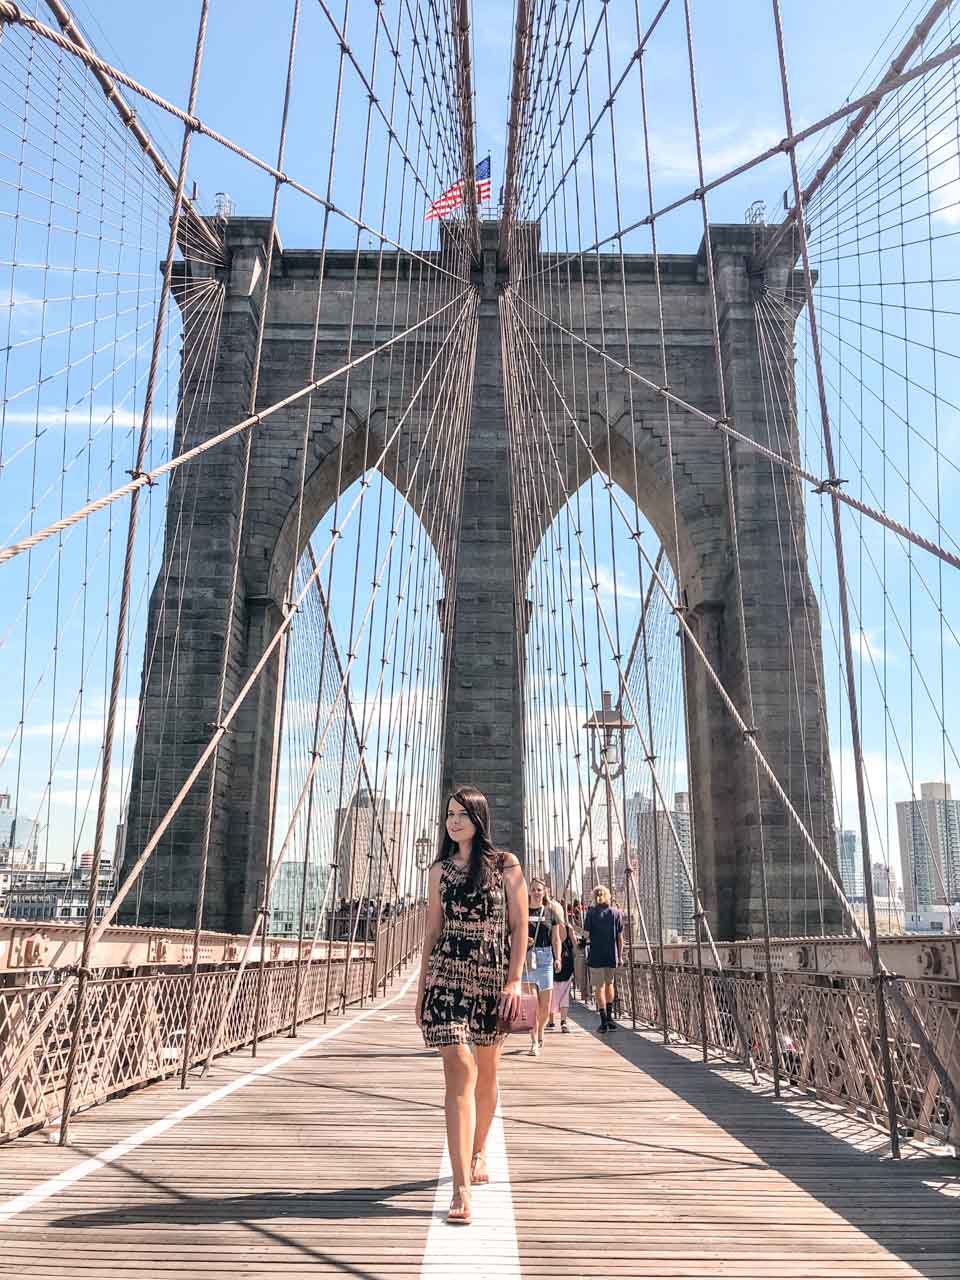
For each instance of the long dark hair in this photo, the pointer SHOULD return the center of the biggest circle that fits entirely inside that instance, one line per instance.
(483, 854)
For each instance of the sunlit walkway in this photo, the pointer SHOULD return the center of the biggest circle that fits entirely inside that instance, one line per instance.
(621, 1158)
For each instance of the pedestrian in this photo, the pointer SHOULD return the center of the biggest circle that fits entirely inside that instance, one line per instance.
(603, 927)
(470, 975)
(563, 978)
(544, 953)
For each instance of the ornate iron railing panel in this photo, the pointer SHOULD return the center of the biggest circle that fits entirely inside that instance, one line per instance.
(132, 1031)
(828, 1041)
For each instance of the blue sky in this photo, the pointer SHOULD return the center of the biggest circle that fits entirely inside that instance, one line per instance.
(240, 94)
(241, 86)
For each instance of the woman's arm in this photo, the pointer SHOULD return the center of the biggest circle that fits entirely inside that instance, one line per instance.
(432, 931)
(517, 914)
(587, 922)
(515, 890)
(556, 938)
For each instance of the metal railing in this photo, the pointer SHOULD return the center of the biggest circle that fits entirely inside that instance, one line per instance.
(133, 1025)
(827, 1040)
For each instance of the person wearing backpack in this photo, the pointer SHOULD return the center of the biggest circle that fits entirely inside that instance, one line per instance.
(563, 978)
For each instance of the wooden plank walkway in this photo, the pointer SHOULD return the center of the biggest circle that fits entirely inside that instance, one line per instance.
(625, 1159)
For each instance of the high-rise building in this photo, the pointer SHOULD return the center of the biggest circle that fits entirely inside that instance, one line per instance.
(18, 835)
(598, 861)
(57, 893)
(884, 881)
(285, 896)
(652, 841)
(559, 870)
(929, 831)
(849, 863)
(368, 830)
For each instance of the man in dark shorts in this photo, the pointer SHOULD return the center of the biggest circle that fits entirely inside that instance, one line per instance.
(603, 926)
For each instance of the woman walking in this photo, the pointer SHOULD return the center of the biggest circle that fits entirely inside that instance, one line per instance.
(470, 974)
(563, 977)
(543, 955)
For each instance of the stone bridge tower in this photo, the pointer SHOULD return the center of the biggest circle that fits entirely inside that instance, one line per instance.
(483, 741)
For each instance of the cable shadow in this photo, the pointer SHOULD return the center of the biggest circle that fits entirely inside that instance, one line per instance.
(907, 1216)
(179, 1205)
(366, 1203)
(524, 1120)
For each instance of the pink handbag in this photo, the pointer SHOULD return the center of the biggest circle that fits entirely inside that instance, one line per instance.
(526, 1019)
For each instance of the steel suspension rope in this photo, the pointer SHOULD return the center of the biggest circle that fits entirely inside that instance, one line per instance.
(84, 965)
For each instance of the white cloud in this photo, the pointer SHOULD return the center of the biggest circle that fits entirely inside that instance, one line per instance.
(942, 176)
(625, 586)
(87, 728)
(95, 417)
(866, 644)
(673, 152)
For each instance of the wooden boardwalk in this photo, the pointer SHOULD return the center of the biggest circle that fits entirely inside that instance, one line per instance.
(624, 1158)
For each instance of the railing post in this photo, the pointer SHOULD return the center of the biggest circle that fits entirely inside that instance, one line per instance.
(631, 889)
(378, 947)
(878, 973)
(331, 930)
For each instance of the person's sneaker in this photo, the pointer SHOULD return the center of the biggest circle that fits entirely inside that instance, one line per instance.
(535, 1049)
(612, 1026)
(564, 1028)
(602, 1029)
(551, 1026)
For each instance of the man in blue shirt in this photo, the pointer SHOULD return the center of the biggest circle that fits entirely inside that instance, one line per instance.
(603, 925)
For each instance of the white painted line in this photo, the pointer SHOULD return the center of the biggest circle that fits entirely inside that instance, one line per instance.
(44, 1190)
(487, 1249)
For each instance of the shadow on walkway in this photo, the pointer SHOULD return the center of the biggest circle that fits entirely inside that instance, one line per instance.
(352, 1202)
(890, 1201)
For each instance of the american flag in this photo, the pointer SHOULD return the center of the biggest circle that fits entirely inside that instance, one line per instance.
(452, 198)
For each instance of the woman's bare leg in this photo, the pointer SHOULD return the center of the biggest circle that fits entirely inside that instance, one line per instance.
(488, 1064)
(460, 1110)
(543, 1012)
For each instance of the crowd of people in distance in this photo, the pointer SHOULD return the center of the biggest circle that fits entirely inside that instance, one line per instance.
(359, 917)
(557, 931)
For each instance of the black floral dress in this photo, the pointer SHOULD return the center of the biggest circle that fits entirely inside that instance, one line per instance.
(467, 966)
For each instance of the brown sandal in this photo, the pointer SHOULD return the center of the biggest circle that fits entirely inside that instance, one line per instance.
(478, 1179)
(460, 1215)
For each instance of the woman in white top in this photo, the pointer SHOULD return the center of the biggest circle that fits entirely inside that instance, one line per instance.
(543, 953)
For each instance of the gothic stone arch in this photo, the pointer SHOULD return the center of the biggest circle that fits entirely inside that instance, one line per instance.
(179, 704)
(483, 737)
(782, 621)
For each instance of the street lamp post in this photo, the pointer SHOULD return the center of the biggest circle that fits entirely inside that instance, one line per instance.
(607, 728)
(421, 853)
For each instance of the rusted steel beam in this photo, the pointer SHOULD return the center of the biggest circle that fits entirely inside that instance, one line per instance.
(27, 945)
(933, 956)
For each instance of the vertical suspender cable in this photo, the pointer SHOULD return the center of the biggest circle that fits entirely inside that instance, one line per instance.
(875, 964)
(124, 605)
(738, 570)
